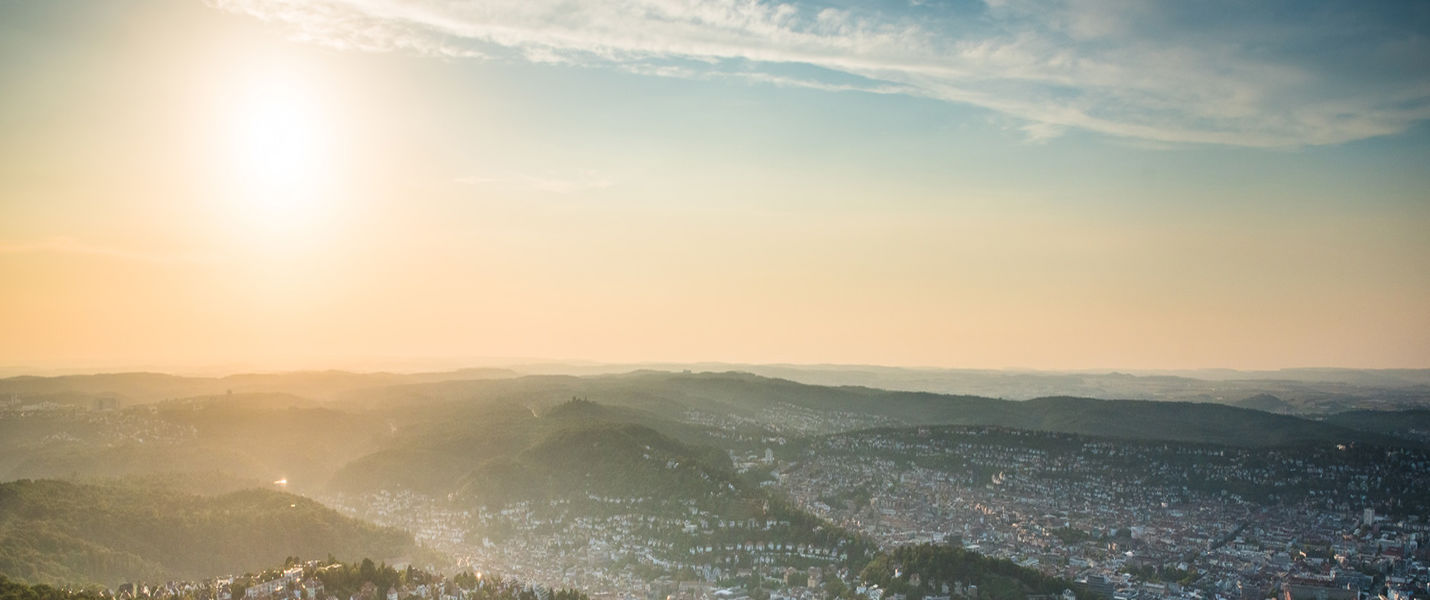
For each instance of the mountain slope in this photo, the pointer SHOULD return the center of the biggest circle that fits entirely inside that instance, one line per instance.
(512, 454)
(269, 439)
(60, 532)
(1411, 425)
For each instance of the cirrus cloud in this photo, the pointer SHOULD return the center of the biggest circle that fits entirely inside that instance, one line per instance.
(1267, 74)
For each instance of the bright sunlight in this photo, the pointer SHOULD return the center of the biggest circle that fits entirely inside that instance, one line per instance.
(279, 155)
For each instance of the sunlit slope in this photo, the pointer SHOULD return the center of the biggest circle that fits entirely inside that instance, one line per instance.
(510, 455)
(257, 436)
(143, 388)
(59, 532)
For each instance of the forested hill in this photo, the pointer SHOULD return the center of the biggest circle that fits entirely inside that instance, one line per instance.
(66, 533)
(1411, 425)
(576, 449)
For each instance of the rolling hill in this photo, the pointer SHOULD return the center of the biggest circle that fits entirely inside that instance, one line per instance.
(366, 437)
(61, 532)
(273, 436)
(1412, 425)
(760, 405)
(144, 388)
(509, 455)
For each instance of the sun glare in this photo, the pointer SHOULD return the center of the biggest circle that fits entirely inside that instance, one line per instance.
(277, 140)
(279, 152)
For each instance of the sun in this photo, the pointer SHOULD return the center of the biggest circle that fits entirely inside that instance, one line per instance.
(279, 152)
(276, 139)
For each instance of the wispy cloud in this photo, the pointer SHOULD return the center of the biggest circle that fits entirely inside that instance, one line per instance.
(584, 181)
(67, 245)
(1281, 73)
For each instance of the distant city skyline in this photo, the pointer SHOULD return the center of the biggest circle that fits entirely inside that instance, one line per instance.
(1039, 184)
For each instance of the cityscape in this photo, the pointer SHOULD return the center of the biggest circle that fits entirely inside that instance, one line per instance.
(714, 300)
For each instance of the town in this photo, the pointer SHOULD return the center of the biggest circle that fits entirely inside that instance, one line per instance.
(625, 553)
(1135, 521)
(1129, 520)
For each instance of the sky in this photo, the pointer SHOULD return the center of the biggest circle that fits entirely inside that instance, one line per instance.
(1045, 184)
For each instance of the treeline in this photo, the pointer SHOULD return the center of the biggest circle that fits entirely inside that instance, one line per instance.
(14, 590)
(364, 580)
(936, 565)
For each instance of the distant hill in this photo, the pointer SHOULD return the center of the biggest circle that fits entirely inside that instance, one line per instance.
(1309, 391)
(143, 388)
(1306, 391)
(1405, 424)
(1134, 419)
(1264, 402)
(367, 437)
(241, 401)
(785, 407)
(741, 399)
(60, 532)
(606, 460)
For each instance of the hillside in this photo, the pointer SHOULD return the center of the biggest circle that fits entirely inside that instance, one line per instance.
(366, 438)
(620, 459)
(270, 439)
(753, 406)
(579, 475)
(1176, 421)
(1264, 402)
(741, 402)
(508, 455)
(1305, 391)
(1413, 425)
(60, 532)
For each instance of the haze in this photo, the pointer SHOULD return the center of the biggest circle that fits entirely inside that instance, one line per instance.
(1053, 185)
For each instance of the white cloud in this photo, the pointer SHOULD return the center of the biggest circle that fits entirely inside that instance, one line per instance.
(1041, 132)
(1139, 69)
